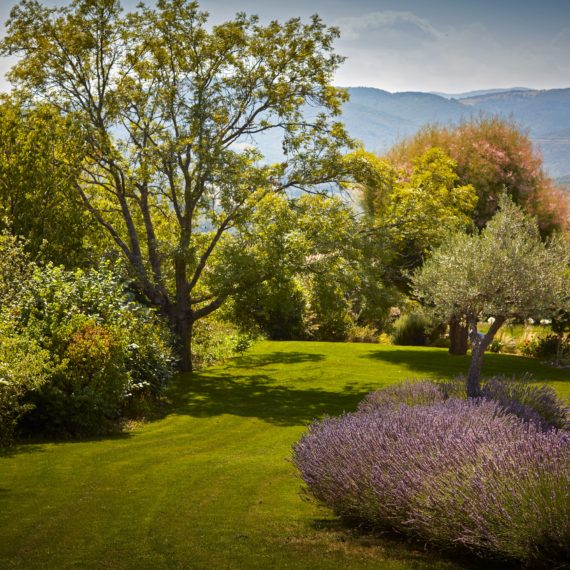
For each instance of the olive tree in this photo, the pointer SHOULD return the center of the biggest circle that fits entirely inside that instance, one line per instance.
(504, 272)
(169, 109)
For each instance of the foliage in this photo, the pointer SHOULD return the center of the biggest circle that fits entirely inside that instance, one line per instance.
(24, 368)
(456, 473)
(317, 272)
(504, 272)
(37, 198)
(99, 348)
(545, 346)
(415, 208)
(167, 107)
(15, 269)
(413, 329)
(494, 156)
(88, 389)
(363, 333)
(215, 341)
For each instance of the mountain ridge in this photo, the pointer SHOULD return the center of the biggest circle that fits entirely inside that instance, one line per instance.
(380, 119)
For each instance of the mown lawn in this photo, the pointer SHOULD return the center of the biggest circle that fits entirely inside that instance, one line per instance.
(209, 484)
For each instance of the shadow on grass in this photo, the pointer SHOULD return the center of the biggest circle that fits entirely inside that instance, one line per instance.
(19, 449)
(444, 365)
(277, 357)
(404, 548)
(34, 443)
(258, 395)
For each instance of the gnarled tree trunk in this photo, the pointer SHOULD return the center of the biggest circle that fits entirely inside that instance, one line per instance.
(479, 344)
(458, 337)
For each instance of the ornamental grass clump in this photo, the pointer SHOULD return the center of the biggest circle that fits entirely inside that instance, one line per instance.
(452, 473)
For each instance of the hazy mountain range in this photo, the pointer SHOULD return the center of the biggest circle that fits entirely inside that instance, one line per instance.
(379, 118)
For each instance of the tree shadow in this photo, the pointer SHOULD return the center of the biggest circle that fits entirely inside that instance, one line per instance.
(444, 365)
(259, 395)
(19, 449)
(276, 357)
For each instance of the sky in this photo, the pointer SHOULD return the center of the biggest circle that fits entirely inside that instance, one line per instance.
(450, 46)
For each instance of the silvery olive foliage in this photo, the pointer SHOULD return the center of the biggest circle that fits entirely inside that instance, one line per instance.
(506, 271)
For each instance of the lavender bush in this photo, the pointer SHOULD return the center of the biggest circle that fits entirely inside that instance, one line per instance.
(535, 403)
(518, 396)
(453, 472)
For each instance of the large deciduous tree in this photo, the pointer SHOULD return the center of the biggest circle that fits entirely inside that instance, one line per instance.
(412, 209)
(495, 156)
(504, 272)
(168, 108)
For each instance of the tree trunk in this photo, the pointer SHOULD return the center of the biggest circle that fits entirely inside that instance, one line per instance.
(474, 374)
(479, 344)
(458, 337)
(184, 334)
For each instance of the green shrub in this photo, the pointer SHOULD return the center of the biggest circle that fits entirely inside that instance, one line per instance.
(411, 329)
(89, 387)
(107, 350)
(363, 333)
(545, 346)
(24, 368)
(215, 340)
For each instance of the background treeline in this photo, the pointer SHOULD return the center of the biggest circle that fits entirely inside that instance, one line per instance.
(81, 347)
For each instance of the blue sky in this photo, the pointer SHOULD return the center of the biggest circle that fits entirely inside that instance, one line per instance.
(427, 45)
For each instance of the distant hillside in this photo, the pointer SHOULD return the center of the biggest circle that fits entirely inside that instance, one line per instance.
(380, 119)
(478, 93)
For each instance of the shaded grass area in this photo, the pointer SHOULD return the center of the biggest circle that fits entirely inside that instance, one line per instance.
(208, 483)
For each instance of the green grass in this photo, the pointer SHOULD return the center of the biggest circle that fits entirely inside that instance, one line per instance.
(209, 484)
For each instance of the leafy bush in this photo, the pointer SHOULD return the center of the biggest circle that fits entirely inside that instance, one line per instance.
(24, 368)
(452, 473)
(414, 329)
(363, 333)
(545, 346)
(89, 388)
(105, 349)
(216, 340)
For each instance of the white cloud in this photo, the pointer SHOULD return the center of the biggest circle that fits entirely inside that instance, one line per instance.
(353, 27)
(400, 51)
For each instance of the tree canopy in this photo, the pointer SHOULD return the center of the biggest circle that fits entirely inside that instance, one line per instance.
(494, 156)
(414, 210)
(167, 108)
(37, 198)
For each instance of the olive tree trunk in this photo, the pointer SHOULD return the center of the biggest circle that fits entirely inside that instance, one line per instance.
(479, 344)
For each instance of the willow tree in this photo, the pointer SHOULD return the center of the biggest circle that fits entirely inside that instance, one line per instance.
(169, 109)
(504, 272)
